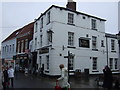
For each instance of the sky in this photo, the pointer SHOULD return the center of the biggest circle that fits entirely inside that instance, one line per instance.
(16, 14)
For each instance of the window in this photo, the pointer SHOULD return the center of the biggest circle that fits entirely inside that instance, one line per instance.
(13, 47)
(102, 43)
(36, 25)
(70, 18)
(112, 45)
(71, 60)
(93, 22)
(94, 63)
(41, 23)
(26, 44)
(3, 50)
(47, 61)
(49, 33)
(40, 58)
(84, 43)
(48, 17)
(41, 40)
(35, 43)
(10, 48)
(22, 45)
(71, 38)
(94, 42)
(18, 46)
(111, 63)
(116, 63)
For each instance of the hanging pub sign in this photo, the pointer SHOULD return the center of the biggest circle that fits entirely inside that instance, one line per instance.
(43, 50)
(84, 43)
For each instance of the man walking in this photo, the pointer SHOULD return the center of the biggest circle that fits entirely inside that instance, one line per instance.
(11, 75)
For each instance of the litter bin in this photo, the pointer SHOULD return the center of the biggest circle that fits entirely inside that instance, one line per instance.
(77, 73)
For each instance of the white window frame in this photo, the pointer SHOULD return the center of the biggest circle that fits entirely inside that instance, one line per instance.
(112, 45)
(71, 63)
(94, 24)
(111, 63)
(70, 18)
(26, 44)
(70, 38)
(18, 46)
(48, 17)
(47, 62)
(95, 65)
(94, 42)
(22, 45)
(116, 63)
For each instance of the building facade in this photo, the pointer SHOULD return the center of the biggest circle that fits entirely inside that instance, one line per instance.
(59, 30)
(22, 45)
(9, 48)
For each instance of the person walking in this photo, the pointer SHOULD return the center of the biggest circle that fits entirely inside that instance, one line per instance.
(108, 79)
(5, 79)
(64, 78)
(11, 75)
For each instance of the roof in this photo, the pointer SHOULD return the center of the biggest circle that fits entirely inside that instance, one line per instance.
(71, 11)
(110, 35)
(25, 29)
(13, 35)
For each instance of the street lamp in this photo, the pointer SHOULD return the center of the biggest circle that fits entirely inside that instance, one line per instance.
(118, 38)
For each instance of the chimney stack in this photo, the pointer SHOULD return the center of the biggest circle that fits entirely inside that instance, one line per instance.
(71, 5)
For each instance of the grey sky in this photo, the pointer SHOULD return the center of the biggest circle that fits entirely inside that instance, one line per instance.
(17, 14)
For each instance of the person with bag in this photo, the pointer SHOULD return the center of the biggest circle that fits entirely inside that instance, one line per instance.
(63, 80)
(11, 75)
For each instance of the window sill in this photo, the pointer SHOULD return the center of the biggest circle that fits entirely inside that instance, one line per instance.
(46, 71)
(95, 71)
(94, 29)
(71, 47)
(113, 51)
(71, 24)
(115, 70)
(95, 49)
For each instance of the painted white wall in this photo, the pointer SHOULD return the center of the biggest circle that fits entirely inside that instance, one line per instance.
(9, 55)
(82, 27)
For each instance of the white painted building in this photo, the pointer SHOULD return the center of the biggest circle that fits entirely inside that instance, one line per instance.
(59, 30)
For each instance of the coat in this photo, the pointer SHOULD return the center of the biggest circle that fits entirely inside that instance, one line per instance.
(63, 80)
(108, 79)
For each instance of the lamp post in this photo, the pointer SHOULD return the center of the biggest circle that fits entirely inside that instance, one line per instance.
(118, 38)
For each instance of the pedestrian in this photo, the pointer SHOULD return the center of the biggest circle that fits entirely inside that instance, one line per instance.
(108, 79)
(11, 75)
(64, 78)
(5, 79)
(17, 68)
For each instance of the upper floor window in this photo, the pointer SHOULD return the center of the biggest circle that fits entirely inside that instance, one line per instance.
(26, 44)
(93, 24)
(36, 25)
(112, 45)
(94, 63)
(49, 33)
(13, 47)
(94, 42)
(18, 47)
(10, 48)
(35, 43)
(41, 23)
(71, 38)
(102, 43)
(22, 45)
(48, 17)
(3, 50)
(70, 18)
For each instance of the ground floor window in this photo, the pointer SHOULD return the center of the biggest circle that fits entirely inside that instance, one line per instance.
(71, 62)
(111, 63)
(94, 63)
(116, 63)
(47, 61)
